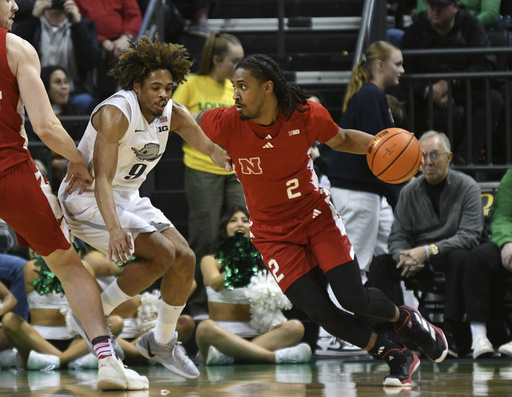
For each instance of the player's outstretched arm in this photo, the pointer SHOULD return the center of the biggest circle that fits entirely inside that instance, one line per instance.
(184, 124)
(24, 64)
(351, 141)
(111, 124)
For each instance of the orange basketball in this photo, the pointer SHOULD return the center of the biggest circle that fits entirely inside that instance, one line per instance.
(394, 155)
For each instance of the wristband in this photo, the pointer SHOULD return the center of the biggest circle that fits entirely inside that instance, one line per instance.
(427, 253)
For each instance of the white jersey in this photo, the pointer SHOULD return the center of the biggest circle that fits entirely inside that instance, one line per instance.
(140, 149)
(141, 146)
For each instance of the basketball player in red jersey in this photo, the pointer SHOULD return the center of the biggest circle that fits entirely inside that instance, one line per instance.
(268, 135)
(27, 203)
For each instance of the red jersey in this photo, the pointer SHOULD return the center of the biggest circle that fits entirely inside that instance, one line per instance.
(13, 139)
(276, 171)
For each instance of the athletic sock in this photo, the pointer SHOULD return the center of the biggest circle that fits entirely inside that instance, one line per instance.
(112, 297)
(166, 322)
(103, 347)
(478, 329)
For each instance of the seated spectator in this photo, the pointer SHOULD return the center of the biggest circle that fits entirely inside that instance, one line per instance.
(446, 25)
(117, 22)
(487, 11)
(487, 266)
(62, 36)
(7, 304)
(234, 332)
(11, 269)
(11, 274)
(45, 342)
(438, 220)
(56, 81)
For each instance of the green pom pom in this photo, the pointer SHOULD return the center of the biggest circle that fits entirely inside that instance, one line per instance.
(47, 282)
(240, 259)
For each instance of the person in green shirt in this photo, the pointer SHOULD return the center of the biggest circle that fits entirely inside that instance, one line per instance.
(488, 265)
(487, 11)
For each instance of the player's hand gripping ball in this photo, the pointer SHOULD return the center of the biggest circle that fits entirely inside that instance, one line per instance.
(394, 155)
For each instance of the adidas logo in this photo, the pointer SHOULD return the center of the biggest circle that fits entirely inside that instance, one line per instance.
(267, 137)
(268, 146)
(316, 213)
(380, 351)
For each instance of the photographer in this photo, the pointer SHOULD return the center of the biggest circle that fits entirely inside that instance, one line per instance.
(66, 38)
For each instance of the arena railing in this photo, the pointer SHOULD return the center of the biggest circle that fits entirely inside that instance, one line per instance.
(501, 78)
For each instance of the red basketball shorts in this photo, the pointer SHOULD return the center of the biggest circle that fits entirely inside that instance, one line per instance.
(28, 205)
(291, 249)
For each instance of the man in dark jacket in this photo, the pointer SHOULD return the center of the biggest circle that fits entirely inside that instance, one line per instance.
(445, 24)
(64, 37)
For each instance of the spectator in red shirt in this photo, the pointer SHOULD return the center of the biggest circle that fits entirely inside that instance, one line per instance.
(117, 22)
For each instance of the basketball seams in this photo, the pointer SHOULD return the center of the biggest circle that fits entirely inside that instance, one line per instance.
(412, 169)
(380, 143)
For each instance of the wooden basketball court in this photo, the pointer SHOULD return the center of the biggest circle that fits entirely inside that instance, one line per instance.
(344, 377)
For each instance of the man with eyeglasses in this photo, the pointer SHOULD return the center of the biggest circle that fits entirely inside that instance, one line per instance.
(438, 220)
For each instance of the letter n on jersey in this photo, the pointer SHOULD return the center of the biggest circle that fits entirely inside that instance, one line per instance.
(250, 166)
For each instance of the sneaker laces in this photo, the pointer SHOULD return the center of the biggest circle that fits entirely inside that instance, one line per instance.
(178, 352)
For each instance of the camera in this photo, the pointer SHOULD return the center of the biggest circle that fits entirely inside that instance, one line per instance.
(57, 4)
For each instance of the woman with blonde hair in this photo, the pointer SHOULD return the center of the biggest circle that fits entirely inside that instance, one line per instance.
(210, 189)
(361, 199)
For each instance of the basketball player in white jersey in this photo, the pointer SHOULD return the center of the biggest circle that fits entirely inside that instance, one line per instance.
(124, 140)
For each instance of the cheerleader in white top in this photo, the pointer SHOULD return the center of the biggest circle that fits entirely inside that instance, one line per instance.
(246, 323)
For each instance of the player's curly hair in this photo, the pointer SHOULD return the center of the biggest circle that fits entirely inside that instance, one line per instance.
(144, 56)
(264, 68)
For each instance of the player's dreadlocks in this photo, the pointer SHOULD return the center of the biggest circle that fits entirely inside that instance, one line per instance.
(264, 68)
(144, 56)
